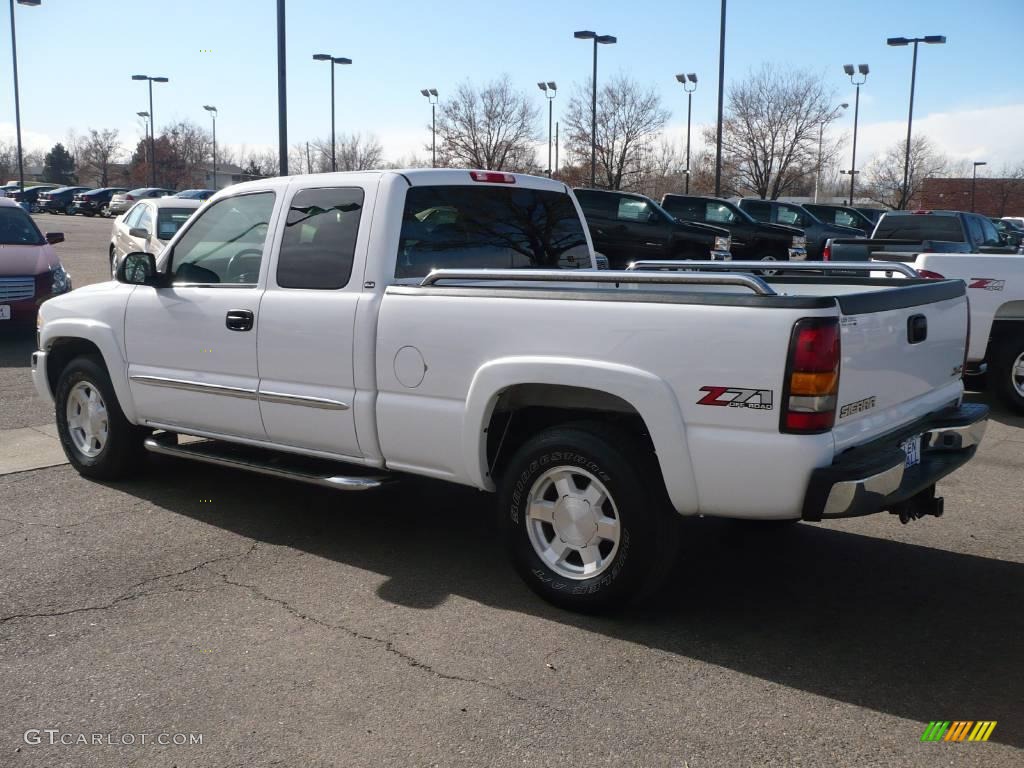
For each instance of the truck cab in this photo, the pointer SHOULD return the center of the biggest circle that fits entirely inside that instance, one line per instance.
(815, 230)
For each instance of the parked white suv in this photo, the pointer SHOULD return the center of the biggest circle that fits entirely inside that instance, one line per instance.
(346, 329)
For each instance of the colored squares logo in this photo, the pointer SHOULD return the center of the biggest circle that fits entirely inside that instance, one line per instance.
(958, 730)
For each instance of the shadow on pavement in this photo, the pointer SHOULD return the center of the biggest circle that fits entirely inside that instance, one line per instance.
(911, 631)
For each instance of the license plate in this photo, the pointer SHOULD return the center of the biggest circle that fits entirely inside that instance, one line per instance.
(5, 311)
(912, 447)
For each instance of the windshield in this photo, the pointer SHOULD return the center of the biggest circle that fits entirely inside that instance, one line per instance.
(169, 221)
(17, 228)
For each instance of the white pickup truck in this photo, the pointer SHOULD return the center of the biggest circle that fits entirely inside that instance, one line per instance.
(995, 286)
(298, 325)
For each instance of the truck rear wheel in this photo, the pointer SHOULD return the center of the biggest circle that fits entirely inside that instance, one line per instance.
(1007, 372)
(585, 517)
(97, 438)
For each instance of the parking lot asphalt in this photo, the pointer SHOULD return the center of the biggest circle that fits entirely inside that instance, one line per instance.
(295, 626)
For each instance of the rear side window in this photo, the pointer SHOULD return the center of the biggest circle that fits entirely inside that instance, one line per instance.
(471, 227)
(919, 227)
(760, 211)
(989, 232)
(320, 238)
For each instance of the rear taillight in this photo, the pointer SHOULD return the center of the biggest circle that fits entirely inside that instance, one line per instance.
(826, 252)
(494, 177)
(129, 198)
(812, 377)
(929, 275)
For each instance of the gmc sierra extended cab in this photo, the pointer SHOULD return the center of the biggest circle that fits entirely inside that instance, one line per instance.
(348, 329)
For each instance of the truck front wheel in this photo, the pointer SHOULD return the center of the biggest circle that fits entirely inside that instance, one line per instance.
(585, 517)
(97, 438)
(1007, 372)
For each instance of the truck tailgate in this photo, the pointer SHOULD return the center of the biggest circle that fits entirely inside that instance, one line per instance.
(902, 358)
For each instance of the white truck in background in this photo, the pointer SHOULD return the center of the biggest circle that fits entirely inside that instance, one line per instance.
(347, 329)
(995, 287)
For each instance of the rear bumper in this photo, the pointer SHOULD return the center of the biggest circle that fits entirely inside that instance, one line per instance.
(873, 477)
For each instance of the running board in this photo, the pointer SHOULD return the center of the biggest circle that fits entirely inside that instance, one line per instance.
(265, 462)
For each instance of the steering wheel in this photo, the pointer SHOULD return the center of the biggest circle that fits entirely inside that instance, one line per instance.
(235, 271)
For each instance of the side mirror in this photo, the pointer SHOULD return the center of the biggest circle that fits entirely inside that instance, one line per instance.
(139, 269)
(54, 237)
(139, 232)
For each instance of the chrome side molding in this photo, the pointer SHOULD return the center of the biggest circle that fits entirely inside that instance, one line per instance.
(241, 392)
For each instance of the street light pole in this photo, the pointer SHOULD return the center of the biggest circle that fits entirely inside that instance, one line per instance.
(863, 70)
(431, 94)
(334, 60)
(821, 137)
(213, 114)
(282, 93)
(152, 124)
(17, 103)
(721, 91)
(903, 41)
(603, 40)
(550, 90)
(688, 80)
(974, 181)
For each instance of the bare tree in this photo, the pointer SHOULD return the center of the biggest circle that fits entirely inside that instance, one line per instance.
(96, 152)
(771, 129)
(662, 169)
(629, 120)
(885, 172)
(1009, 185)
(8, 161)
(492, 128)
(354, 152)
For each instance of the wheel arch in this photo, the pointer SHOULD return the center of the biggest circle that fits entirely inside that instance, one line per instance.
(64, 342)
(576, 390)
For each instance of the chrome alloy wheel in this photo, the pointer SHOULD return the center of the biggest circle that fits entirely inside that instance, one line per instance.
(572, 522)
(769, 272)
(87, 419)
(1017, 374)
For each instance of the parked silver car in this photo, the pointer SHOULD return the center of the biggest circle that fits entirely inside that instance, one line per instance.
(122, 202)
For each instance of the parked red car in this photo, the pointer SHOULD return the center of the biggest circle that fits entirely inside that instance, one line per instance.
(30, 271)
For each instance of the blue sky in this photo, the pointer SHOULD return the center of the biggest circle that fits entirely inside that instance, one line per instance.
(76, 58)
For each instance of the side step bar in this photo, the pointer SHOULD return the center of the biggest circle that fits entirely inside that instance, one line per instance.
(265, 462)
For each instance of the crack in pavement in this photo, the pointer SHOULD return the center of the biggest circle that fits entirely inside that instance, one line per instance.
(387, 645)
(131, 592)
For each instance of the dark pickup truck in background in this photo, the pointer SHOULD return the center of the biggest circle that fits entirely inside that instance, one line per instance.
(627, 227)
(901, 235)
(842, 215)
(752, 240)
(815, 230)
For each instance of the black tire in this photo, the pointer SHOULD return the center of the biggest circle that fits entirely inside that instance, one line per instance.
(648, 527)
(121, 453)
(1007, 356)
(111, 262)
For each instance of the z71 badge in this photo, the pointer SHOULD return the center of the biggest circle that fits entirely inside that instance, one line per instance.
(737, 397)
(987, 284)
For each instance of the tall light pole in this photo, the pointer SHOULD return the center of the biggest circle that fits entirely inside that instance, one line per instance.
(145, 118)
(152, 124)
(721, 92)
(598, 40)
(974, 181)
(862, 70)
(17, 103)
(689, 82)
(334, 60)
(431, 94)
(282, 93)
(821, 137)
(213, 114)
(901, 41)
(550, 91)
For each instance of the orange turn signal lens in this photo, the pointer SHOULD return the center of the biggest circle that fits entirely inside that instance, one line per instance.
(814, 384)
